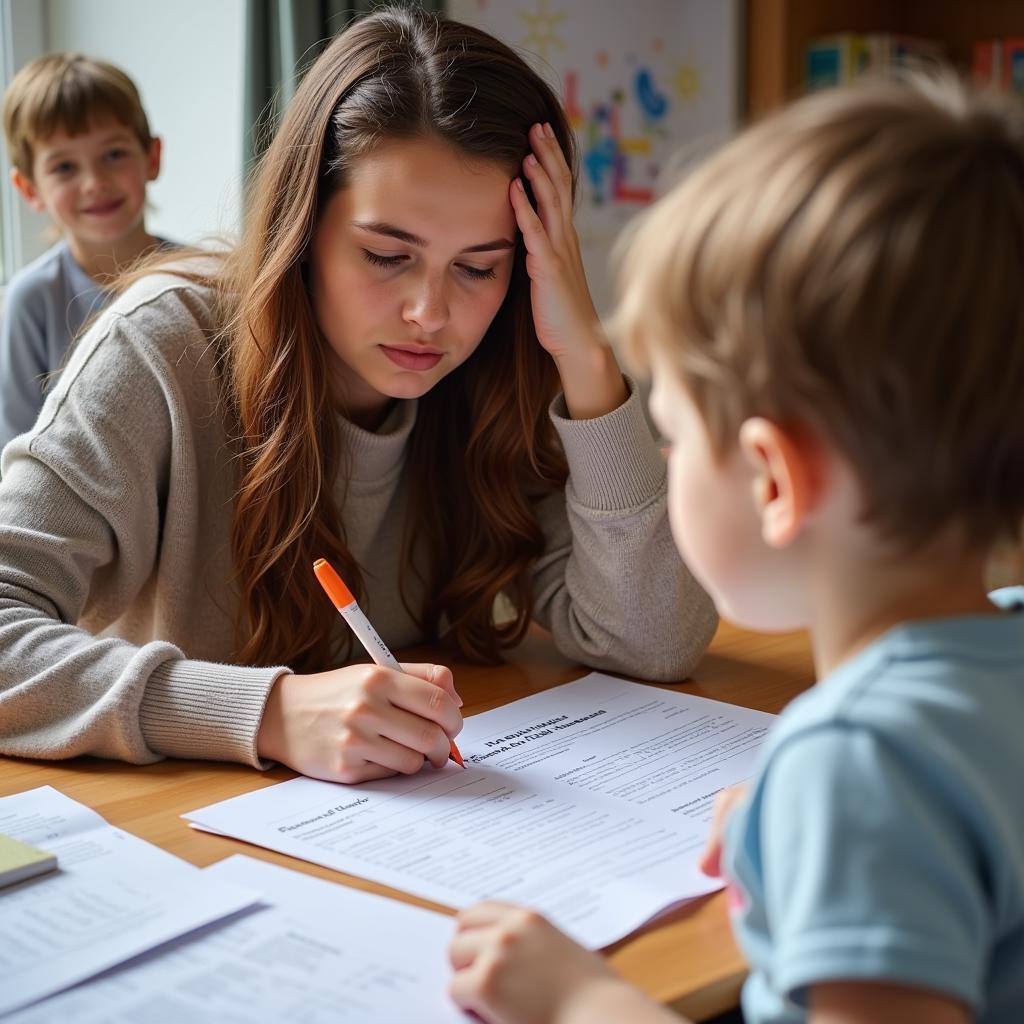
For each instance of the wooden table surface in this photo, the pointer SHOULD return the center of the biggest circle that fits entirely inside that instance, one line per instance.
(689, 962)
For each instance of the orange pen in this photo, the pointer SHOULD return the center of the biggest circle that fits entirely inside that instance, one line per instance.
(342, 599)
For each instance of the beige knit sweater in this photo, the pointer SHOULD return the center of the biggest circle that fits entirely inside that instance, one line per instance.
(117, 616)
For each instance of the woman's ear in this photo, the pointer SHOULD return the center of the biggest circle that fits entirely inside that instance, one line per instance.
(786, 484)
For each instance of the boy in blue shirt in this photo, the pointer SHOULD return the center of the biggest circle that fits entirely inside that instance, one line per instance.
(833, 312)
(82, 152)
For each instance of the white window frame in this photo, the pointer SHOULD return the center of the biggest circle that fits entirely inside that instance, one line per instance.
(23, 36)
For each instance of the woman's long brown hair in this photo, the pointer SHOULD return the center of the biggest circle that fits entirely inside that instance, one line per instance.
(483, 430)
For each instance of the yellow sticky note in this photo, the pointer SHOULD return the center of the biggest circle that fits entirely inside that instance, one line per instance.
(19, 861)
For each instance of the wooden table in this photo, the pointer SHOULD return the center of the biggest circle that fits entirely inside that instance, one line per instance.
(689, 963)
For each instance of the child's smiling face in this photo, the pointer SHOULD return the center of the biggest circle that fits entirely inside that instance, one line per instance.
(93, 185)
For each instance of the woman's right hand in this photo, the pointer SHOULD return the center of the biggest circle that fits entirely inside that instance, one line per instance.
(361, 722)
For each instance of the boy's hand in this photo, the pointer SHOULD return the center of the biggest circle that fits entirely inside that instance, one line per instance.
(725, 804)
(514, 967)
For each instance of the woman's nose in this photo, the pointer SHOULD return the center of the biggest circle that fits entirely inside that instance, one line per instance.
(427, 305)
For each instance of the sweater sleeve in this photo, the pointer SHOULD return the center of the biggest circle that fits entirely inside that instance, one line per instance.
(82, 502)
(611, 585)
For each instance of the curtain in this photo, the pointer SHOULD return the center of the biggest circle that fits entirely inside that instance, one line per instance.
(282, 38)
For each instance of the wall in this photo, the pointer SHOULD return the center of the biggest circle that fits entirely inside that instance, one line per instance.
(639, 80)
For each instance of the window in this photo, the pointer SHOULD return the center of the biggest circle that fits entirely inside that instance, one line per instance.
(21, 39)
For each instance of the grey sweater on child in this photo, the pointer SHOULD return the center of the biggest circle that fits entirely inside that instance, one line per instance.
(117, 607)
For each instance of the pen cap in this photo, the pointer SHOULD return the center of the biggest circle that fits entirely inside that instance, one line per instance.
(332, 583)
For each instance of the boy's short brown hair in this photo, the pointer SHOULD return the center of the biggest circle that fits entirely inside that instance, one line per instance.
(855, 264)
(67, 91)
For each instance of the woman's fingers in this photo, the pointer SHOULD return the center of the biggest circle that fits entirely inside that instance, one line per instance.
(427, 701)
(439, 675)
(549, 155)
(549, 176)
(535, 235)
(549, 207)
(390, 756)
(396, 710)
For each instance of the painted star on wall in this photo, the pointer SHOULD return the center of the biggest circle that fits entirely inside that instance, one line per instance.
(687, 80)
(543, 24)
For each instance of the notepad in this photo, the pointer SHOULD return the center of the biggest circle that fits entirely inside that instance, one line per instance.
(19, 861)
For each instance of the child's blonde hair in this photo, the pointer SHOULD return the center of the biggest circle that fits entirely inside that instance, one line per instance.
(855, 264)
(67, 91)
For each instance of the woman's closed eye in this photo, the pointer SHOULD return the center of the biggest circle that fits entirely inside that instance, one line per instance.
(478, 273)
(475, 273)
(383, 261)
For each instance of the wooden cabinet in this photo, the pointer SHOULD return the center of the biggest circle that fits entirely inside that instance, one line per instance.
(778, 32)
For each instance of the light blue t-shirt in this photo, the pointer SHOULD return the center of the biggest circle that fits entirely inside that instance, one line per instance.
(883, 837)
(44, 308)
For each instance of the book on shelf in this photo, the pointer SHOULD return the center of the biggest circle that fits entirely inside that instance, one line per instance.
(19, 861)
(987, 63)
(842, 57)
(999, 64)
(1013, 66)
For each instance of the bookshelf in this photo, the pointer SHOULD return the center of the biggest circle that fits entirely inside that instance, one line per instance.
(778, 32)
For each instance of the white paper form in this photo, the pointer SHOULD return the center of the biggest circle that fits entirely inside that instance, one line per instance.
(113, 896)
(320, 953)
(590, 802)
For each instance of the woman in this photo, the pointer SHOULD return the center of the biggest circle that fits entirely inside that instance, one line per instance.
(366, 378)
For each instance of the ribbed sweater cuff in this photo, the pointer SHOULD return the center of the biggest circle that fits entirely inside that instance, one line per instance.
(199, 709)
(614, 464)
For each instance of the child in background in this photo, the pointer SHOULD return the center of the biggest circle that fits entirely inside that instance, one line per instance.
(833, 314)
(82, 152)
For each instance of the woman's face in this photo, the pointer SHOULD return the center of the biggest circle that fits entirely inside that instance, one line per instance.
(409, 264)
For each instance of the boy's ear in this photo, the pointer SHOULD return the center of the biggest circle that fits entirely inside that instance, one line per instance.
(786, 479)
(153, 158)
(27, 188)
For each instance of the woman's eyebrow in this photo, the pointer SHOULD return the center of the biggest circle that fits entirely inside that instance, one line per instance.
(382, 228)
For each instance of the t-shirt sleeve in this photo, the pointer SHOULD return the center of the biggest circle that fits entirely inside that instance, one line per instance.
(22, 363)
(869, 873)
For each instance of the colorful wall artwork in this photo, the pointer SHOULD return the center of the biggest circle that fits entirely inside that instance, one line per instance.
(639, 78)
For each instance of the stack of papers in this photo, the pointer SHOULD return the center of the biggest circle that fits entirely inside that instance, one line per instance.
(114, 896)
(590, 802)
(320, 953)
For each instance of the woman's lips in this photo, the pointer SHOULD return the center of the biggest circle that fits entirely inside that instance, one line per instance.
(410, 359)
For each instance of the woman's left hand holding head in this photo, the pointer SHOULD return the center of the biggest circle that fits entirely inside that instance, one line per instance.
(563, 310)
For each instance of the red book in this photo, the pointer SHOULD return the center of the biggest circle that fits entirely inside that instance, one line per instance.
(987, 63)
